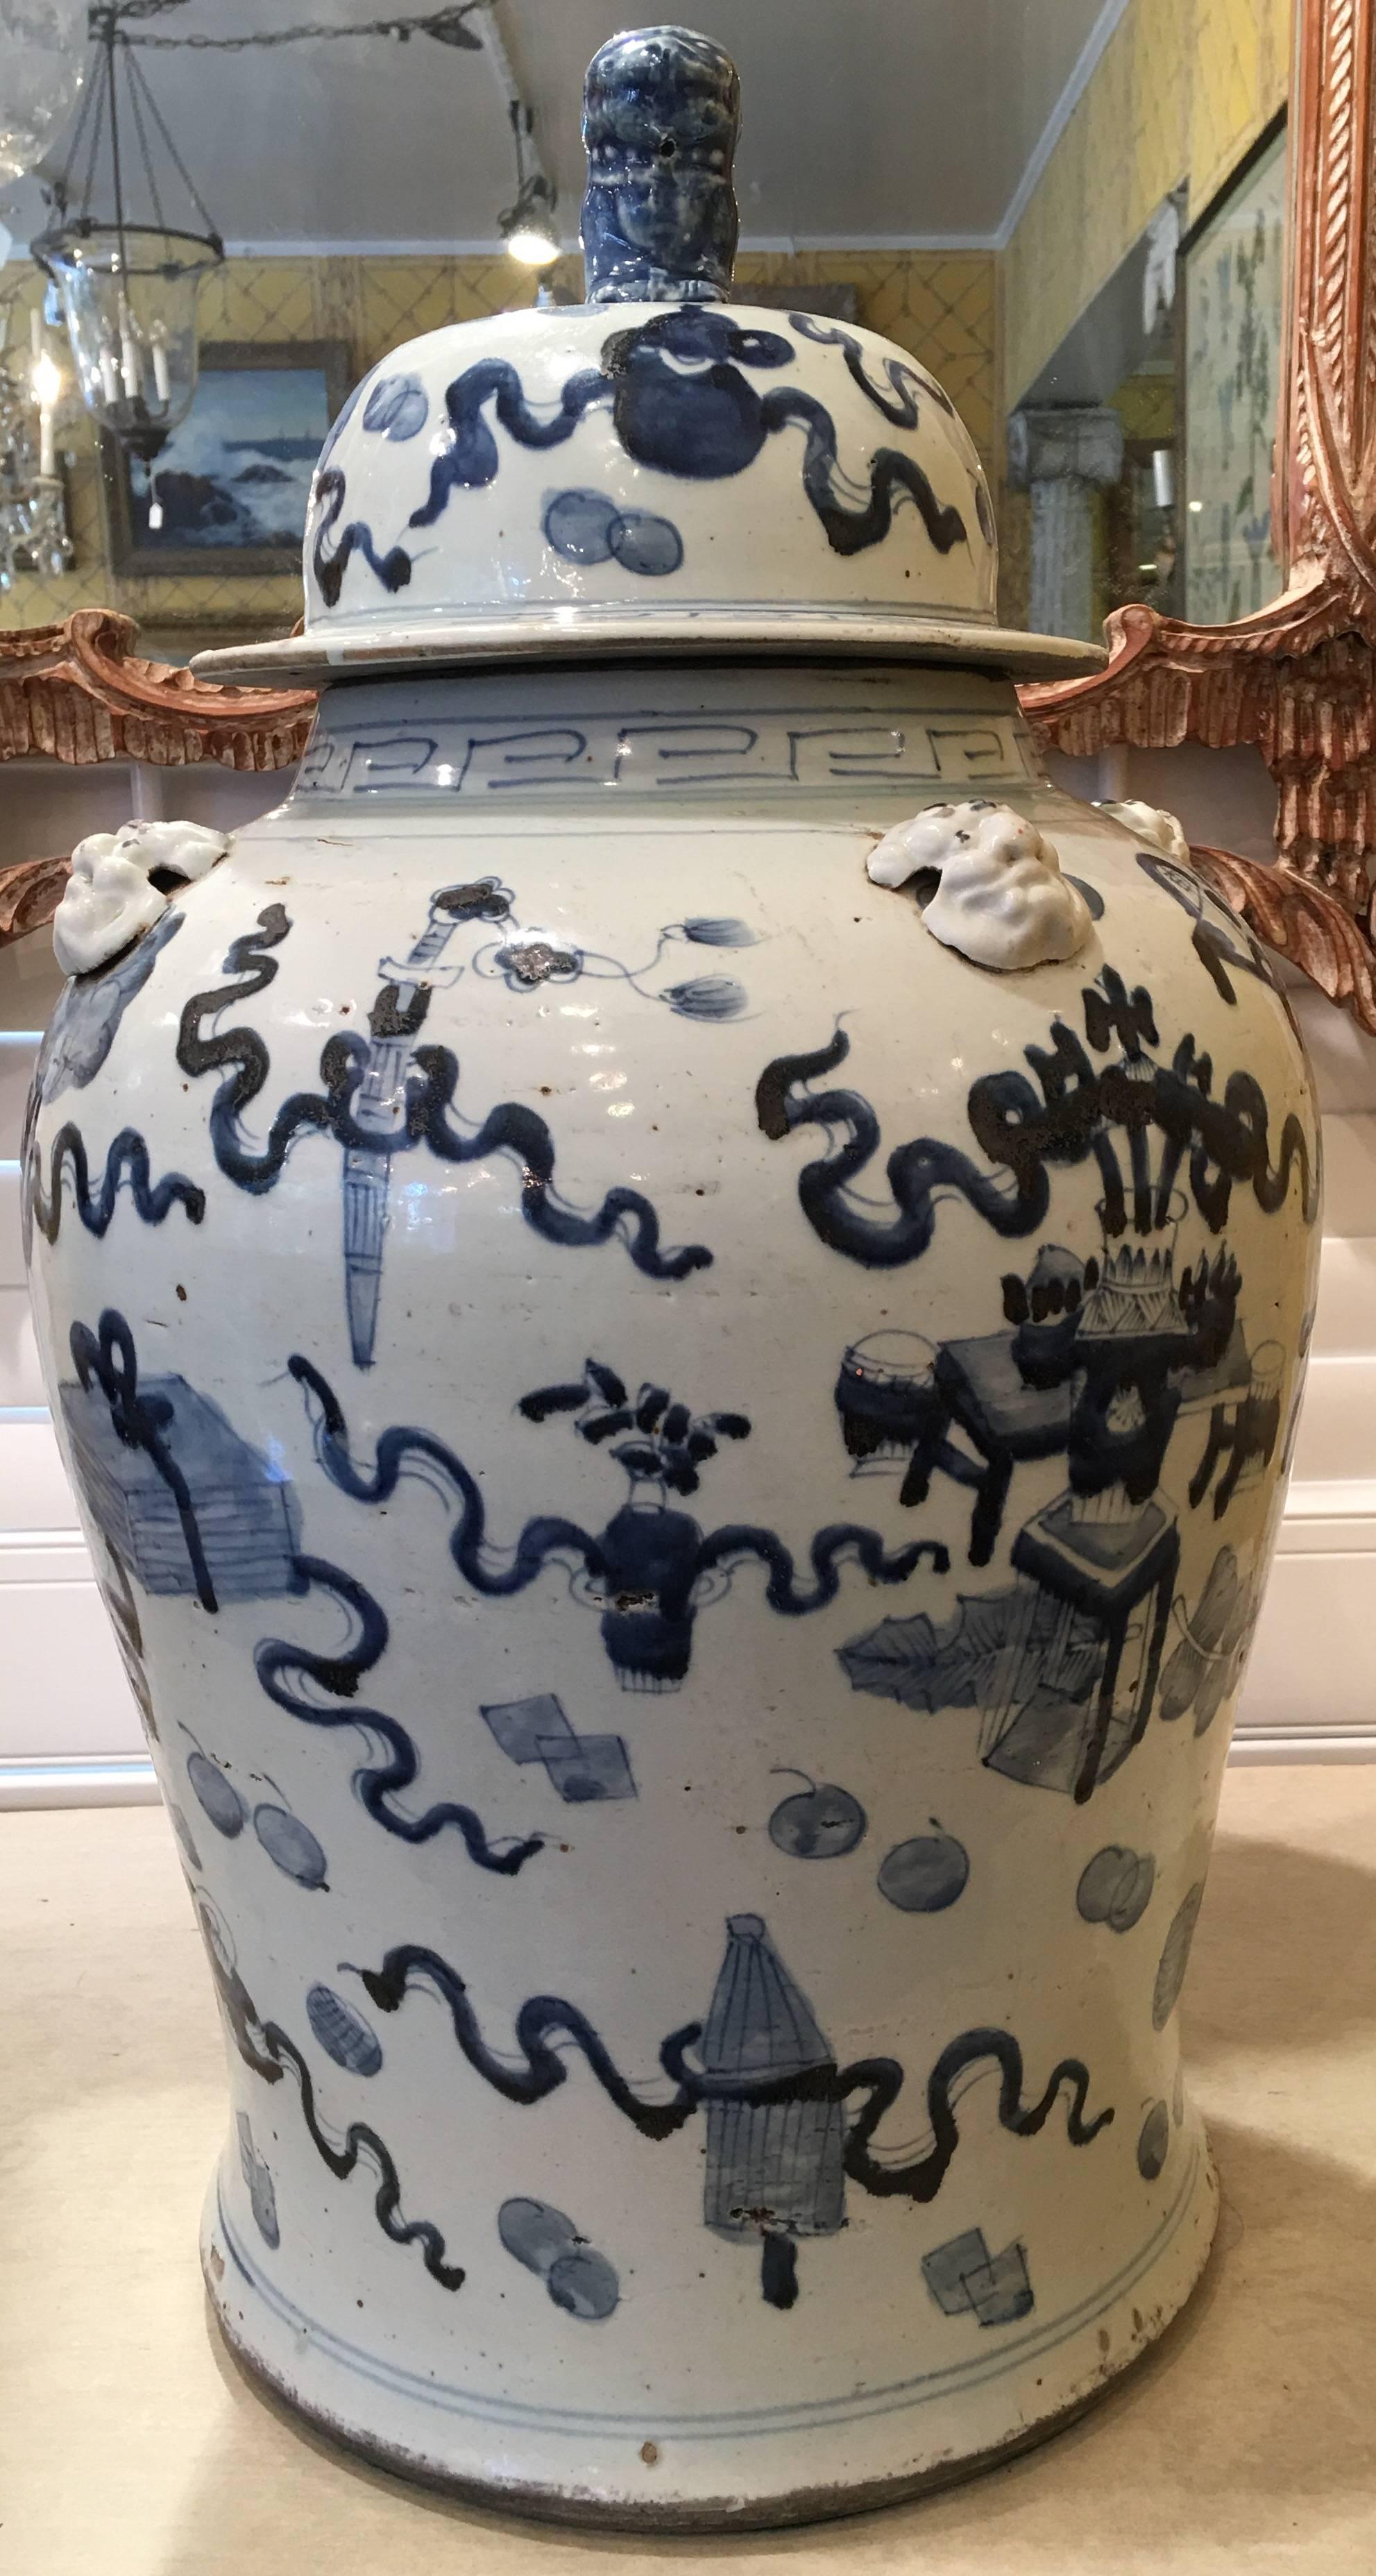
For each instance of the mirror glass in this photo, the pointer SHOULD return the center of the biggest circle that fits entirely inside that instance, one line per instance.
(1072, 211)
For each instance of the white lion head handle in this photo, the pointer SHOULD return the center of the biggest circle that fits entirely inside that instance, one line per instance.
(1160, 830)
(1002, 900)
(111, 898)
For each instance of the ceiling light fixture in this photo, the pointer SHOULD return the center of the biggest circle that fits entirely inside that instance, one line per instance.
(33, 497)
(129, 285)
(527, 227)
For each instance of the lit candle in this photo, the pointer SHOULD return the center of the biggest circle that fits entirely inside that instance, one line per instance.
(128, 354)
(162, 378)
(109, 373)
(47, 386)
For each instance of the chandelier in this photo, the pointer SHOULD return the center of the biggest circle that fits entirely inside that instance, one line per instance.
(128, 286)
(130, 279)
(33, 500)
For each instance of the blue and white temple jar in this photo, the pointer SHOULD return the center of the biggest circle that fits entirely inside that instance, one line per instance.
(676, 1300)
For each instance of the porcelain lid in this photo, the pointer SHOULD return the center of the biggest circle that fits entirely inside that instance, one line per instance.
(657, 471)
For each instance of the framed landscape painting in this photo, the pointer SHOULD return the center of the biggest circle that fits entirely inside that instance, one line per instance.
(1233, 265)
(228, 491)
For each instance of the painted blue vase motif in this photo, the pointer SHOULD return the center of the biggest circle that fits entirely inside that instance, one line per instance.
(683, 1460)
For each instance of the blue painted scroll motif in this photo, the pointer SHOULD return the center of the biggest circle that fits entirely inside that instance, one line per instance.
(1213, 1143)
(79, 1036)
(905, 382)
(385, 1095)
(321, 1689)
(192, 1510)
(78, 1039)
(1103, 1360)
(681, 402)
(128, 1172)
(652, 1568)
(392, 569)
(270, 2053)
(786, 2127)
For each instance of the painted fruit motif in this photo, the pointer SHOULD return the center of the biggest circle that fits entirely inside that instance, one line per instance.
(821, 1822)
(1153, 2142)
(925, 1875)
(1175, 1957)
(579, 2280)
(583, 2283)
(1115, 1887)
(262, 2191)
(290, 1844)
(228, 1812)
(185, 1837)
(342, 2032)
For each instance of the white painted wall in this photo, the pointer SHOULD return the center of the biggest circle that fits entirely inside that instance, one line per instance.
(68, 1727)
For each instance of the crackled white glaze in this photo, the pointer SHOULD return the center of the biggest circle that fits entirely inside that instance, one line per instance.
(1001, 898)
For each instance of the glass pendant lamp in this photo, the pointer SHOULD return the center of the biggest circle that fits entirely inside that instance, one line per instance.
(129, 288)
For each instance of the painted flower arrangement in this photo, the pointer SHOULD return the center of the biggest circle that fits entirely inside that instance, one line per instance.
(655, 1439)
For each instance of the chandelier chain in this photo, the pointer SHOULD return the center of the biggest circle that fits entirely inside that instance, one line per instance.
(139, 89)
(141, 133)
(448, 26)
(91, 114)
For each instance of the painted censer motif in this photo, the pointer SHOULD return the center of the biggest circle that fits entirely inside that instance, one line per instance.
(676, 1302)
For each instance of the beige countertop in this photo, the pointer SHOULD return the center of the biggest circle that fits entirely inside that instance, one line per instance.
(130, 2445)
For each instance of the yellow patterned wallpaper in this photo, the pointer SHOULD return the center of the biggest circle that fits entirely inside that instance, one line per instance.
(938, 305)
(1181, 90)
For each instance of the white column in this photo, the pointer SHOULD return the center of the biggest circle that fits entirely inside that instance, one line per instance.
(1062, 456)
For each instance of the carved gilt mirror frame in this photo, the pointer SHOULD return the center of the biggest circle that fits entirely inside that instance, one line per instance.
(1296, 679)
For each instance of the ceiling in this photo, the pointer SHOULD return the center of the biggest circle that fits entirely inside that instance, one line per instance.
(883, 120)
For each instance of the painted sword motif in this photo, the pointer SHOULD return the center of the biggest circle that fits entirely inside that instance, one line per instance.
(379, 1105)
